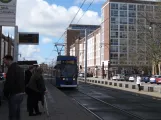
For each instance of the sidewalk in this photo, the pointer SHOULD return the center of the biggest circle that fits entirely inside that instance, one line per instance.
(60, 107)
(155, 95)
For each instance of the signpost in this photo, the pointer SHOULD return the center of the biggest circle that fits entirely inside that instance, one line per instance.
(28, 38)
(8, 12)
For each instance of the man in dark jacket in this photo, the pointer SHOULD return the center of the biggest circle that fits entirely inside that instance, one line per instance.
(14, 87)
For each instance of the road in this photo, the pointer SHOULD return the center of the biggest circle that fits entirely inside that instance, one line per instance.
(112, 104)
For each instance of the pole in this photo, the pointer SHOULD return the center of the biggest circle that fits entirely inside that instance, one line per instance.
(0, 48)
(85, 76)
(16, 44)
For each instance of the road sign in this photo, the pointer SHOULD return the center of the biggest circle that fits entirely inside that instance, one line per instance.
(8, 12)
(28, 38)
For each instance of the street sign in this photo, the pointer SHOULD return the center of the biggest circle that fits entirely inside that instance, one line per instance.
(28, 38)
(8, 12)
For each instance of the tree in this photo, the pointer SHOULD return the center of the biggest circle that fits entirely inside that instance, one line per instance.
(149, 36)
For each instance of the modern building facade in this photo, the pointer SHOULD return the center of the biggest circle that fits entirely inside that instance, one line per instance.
(122, 25)
(75, 31)
(121, 35)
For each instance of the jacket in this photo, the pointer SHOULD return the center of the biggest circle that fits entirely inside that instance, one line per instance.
(15, 82)
(36, 83)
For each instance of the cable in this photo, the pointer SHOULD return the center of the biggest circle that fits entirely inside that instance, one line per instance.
(73, 19)
(86, 11)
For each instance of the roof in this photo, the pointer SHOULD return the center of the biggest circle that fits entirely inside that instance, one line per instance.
(34, 62)
(66, 58)
(134, 1)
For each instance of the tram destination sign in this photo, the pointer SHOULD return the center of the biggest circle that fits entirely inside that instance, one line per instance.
(8, 12)
(28, 38)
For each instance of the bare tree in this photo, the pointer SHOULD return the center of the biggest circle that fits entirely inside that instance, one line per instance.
(149, 36)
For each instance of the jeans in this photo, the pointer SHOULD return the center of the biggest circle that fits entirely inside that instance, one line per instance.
(14, 103)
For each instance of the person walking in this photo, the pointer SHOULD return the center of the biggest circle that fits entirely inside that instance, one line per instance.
(37, 89)
(28, 74)
(138, 82)
(14, 87)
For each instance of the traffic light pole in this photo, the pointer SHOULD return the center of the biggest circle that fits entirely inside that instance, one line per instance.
(86, 44)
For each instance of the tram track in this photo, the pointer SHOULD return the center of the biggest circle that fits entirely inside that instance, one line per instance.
(101, 107)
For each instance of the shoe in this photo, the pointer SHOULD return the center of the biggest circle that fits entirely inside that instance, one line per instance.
(32, 114)
(38, 113)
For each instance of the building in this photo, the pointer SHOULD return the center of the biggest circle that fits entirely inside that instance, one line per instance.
(44, 67)
(111, 47)
(122, 22)
(75, 31)
(7, 48)
(93, 52)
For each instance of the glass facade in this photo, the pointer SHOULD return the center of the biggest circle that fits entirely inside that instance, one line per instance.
(126, 22)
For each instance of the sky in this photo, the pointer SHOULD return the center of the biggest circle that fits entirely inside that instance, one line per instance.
(50, 18)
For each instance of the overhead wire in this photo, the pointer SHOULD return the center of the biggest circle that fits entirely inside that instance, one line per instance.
(70, 22)
(73, 19)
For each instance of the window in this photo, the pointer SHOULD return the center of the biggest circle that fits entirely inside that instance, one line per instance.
(114, 13)
(123, 27)
(123, 13)
(132, 14)
(132, 7)
(114, 20)
(141, 14)
(149, 8)
(141, 21)
(114, 34)
(123, 41)
(114, 27)
(114, 42)
(141, 7)
(123, 48)
(132, 20)
(123, 20)
(123, 6)
(114, 49)
(114, 56)
(132, 28)
(114, 6)
(123, 34)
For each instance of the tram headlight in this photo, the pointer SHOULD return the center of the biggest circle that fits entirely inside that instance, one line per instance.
(63, 78)
(73, 78)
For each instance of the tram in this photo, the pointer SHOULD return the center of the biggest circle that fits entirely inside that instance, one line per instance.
(66, 72)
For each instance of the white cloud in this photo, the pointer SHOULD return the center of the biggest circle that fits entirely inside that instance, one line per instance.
(48, 20)
(28, 51)
(46, 40)
(89, 1)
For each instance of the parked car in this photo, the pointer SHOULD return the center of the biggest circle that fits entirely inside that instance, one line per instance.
(132, 78)
(153, 78)
(146, 78)
(81, 75)
(158, 80)
(118, 77)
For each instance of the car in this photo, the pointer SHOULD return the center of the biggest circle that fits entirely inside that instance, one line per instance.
(146, 78)
(158, 80)
(81, 75)
(118, 77)
(153, 78)
(132, 78)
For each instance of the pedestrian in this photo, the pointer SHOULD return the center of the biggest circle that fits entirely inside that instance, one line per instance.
(37, 90)
(138, 82)
(14, 87)
(28, 74)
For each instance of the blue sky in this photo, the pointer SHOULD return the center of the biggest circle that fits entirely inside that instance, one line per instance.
(50, 18)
